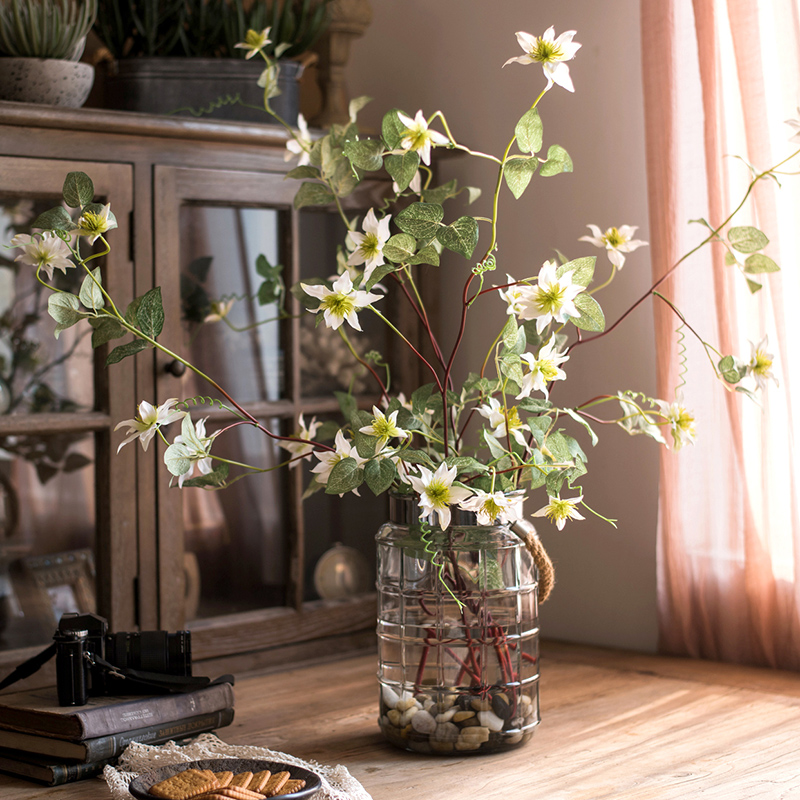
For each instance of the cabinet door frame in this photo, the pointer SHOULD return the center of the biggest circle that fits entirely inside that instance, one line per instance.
(292, 628)
(116, 534)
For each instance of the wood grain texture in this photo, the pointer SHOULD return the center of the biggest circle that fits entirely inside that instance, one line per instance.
(614, 725)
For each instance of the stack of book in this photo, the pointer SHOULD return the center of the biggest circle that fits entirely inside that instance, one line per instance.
(52, 744)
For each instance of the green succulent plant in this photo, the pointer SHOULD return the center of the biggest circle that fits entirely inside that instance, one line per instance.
(45, 28)
(207, 28)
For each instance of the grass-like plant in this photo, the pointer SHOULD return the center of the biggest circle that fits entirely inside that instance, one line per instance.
(45, 28)
(206, 28)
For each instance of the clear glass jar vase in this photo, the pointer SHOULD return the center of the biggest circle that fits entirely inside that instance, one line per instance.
(457, 634)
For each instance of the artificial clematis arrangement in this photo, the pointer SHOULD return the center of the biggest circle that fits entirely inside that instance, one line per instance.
(483, 446)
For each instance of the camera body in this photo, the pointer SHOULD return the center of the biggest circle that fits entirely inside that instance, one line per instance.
(82, 639)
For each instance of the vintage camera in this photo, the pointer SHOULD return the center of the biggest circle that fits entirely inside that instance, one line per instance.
(92, 662)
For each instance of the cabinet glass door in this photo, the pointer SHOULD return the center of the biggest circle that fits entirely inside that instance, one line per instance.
(56, 412)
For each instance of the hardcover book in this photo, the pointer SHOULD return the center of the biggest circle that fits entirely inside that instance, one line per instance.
(105, 747)
(46, 769)
(38, 711)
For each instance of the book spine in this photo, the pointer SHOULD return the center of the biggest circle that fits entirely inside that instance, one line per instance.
(112, 745)
(135, 714)
(67, 773)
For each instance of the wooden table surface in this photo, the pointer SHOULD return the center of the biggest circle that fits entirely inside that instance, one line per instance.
(614, 725)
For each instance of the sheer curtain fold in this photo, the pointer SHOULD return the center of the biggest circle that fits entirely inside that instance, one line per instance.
(720, 78)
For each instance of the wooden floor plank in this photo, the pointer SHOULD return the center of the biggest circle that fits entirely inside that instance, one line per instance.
(615, 725)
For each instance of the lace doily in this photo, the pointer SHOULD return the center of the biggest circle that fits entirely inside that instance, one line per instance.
(337, 782)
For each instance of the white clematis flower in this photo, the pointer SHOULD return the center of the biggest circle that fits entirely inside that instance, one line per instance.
(149, 420)
(328, 460)
(368, 246)
(760, 366)
(302, 147)
(680, 420)
(552, 298)
(417, 136)
(93, 224)
(559, 511)
(551, 53)
(504, 421)
(254, 41)
(544, 369)
(384, 428)
(219, 310)
(194, 445)
(437, 493)
(341, 302)
(514, 296)
(301, 450)
(494, 506)
(45, 251)
(616, 241)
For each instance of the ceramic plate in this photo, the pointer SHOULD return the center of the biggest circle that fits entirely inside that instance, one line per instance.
(139, 786)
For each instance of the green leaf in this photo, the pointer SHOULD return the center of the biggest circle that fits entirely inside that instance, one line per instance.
(90, 294)
(581, 421)
(366, 154)
(582, 270)
(427, 255)
(421, 220)
(347, 403)
(518, 173)
(495, 448)
(511, 367)
(125, 350)
(217, 477)
(591, 318)
(753, 286)
(759, 263)
(56, 219)
(402, 167)
(302, 172)
(177, 459)
(379, 273)
(509, 332)
(392, 130)
(78, 189)
(535, 405)
(460, 237)
(410, 456)
(150, 313)
(441, 193)
(558, 160)
(312, 194)
(400, 248)
(345, 476)
(379, 475)
(465, 464)
(105, 329)
(64, 308)
(747, 239)
(356, 104)
(730, 370)
(130, 311)
(419, 398)
(529, 132)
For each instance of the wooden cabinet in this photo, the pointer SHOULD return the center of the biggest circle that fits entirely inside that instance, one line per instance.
(237, 567)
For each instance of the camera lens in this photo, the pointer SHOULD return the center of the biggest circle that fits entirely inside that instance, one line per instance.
(71, 670)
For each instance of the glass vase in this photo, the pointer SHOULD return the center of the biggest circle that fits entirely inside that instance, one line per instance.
(457, 634)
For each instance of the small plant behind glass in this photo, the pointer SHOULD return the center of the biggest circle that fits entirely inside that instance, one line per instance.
(422, 445)
(45, 28)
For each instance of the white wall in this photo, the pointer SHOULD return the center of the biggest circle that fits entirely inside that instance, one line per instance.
(447, 54)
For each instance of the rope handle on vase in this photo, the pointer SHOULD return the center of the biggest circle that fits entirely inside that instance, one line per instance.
(547, 573)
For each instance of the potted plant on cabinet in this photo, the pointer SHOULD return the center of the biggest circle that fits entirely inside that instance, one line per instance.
(180, 56)
(41, 42)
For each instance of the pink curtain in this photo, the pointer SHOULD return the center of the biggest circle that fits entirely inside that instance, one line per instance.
(720, 78)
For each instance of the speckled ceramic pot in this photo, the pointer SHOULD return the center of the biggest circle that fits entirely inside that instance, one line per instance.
(50, 81)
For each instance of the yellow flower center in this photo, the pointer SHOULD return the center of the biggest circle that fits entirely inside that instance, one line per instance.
(683, 420)
(548, 369)
(613, 238)
(438, 493)
(560, 509)
(491, 508)
(415, 138)
(93, 223)
(340, 305)
(761, 363)
(370, 246)
(551, 299)
(546, 51)
(383, 428)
